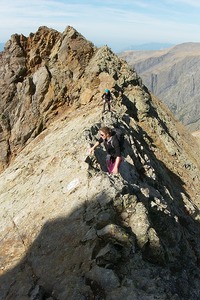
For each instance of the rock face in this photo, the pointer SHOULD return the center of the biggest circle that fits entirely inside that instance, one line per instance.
(173, 76)
(69, 230)
(39, 74)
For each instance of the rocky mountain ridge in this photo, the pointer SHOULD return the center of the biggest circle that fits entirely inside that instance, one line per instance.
(172, 75)
(69, 229)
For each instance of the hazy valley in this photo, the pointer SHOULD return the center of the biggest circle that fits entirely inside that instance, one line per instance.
(173, 76)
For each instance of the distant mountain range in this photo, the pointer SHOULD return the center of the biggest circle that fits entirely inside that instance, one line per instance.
(150, 46)
(172, 75)
(146, 46)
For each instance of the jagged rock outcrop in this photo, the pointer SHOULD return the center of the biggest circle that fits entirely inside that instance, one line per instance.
(173, 76)
(69, 229)
(38, 75)
(45, 72)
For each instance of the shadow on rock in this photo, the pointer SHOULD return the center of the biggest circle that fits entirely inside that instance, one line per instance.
(96, 253)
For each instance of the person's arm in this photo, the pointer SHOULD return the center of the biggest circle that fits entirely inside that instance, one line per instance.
(91, 151)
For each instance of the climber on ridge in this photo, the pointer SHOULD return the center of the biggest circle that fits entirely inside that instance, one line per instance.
(107, 98)
(112, 146)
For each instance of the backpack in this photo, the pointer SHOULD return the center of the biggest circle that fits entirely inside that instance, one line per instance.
(120, 136)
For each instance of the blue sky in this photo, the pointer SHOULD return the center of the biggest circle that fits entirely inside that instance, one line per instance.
(117, 23)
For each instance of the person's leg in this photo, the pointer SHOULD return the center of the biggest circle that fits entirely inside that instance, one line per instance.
(109, 163)
(104, 106)
(108, 105)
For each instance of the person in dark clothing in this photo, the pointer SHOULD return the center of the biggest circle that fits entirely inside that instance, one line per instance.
(107, 98)
(112, 146)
